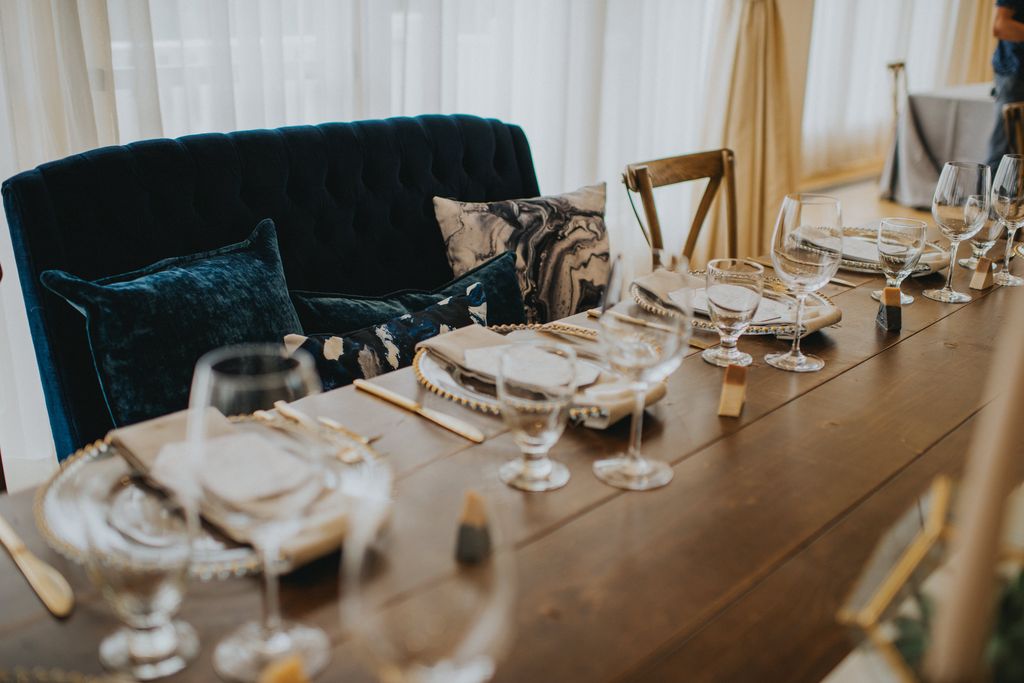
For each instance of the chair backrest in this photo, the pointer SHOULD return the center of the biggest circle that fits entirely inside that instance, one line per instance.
(714, 165)
(1013, 120)
(352, 203)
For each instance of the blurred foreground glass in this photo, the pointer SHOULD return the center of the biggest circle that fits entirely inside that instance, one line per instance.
(733, 288)
(139, 549)
(536, 385)
(239, 380)
(960, 206)
(807, 246)
(1008, 202)
(644, 347)
(900, 243)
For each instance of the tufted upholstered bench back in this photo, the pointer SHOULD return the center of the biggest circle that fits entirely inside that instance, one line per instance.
(352, 203)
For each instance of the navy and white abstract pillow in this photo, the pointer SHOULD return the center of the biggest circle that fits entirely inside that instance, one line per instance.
(389, 346)
(561, 246)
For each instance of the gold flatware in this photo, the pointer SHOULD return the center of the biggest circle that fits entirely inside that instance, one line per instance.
(694, 341)
(452, 424)
(48, 583)
(292, 413)
(834, 280)
(342, 429)
(348, 453)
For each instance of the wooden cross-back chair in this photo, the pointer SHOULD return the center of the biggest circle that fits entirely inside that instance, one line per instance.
(715, 165)
(1013, 121)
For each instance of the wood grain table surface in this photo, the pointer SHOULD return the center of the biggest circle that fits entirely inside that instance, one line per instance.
(733, 572)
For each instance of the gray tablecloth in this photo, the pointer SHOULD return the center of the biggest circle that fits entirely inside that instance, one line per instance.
(936, 127)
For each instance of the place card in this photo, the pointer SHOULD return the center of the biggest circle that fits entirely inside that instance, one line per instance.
(473, 542)
(890, 313)
(982, 278)
(734, 391)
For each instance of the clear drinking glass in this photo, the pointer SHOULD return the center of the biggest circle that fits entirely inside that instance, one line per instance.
(807, 246)
(140, 544)
(431, 601)
(239, 380)
(536, 384)
(984, 240)
(1008, 202)
(733, 288)
(958, 216)
(900, 244)
(643, 347)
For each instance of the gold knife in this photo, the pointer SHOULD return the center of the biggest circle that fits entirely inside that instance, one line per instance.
(48, 583)
(452, 424)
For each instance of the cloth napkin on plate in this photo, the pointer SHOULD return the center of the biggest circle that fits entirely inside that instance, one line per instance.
(243, 470)
(607, 392)
(666, 286)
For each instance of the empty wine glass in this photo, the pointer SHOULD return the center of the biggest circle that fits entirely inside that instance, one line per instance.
(807, 246)
(260, 483)
(959, 207)
(1008, 201)
(139, 546)
(984, 240)
(536, 384)
(733, 289)
(643, 347)
(900, 244)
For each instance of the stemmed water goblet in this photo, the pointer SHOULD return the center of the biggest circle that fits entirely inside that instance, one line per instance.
(644, 347)
(960, 206)
(536, 383)
(900, 243)
(261, 482)
(1008, 202)
(733, 289)
(984, 240)
(807, 246)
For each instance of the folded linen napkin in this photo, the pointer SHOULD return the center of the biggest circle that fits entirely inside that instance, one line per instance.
(668, 286)
(608, 392)
(244, 471)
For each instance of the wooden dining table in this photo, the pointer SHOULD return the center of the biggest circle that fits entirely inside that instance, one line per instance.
(732, 572)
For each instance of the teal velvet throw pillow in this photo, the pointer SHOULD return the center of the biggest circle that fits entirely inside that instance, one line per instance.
(342, 313)
(147, 328)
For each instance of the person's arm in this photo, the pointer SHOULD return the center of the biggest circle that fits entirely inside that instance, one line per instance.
(1005, 27)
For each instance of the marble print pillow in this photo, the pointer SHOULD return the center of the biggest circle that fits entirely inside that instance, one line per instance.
(560, 242)
(389, 346)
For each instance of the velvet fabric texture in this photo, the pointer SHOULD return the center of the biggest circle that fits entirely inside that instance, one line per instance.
(319, 311)
(352, 203)
(561, 246)
(147, 328)
(392, 345)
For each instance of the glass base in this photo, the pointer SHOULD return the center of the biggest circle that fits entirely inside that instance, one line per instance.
(947, 296)
(972, 263)
(537, 475)
(244, 654)
(905, 299)
(794, 362)
(720, 356)
(623, 472)
(1007, 280)
(172, 652)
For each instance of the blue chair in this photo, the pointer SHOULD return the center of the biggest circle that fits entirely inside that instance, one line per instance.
(352, 203)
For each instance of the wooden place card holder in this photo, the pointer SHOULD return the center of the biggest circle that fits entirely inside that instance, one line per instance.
(734, 391)
(890, 313)
(982, 278)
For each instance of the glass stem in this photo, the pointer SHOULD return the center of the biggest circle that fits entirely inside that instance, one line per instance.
(1010, 232)
(952, 262)
(271, 596)
(795, 351)
(637, 425)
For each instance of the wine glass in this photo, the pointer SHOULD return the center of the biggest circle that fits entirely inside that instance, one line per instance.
(984, 240)
(644, 347)
(900, 244)
(139, 547)
(536, 384)
(239, 380)
(1008, 201)
(959, 207)
(429, 599)
(733, 289)
(807, 246)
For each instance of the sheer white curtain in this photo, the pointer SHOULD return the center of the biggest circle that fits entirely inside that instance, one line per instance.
(594, 83)
(847, 119)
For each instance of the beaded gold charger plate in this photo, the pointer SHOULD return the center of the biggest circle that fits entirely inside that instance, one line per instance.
(56, 514)
(773, 289)
(441, 379)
